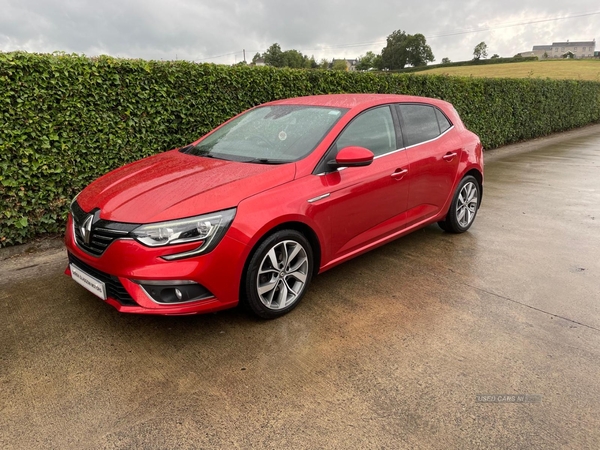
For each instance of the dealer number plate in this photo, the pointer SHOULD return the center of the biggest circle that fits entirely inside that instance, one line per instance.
(92, 284)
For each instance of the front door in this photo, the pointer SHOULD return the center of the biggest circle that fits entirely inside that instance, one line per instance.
(367, 202)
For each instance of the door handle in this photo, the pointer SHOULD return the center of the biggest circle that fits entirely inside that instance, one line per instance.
(449, 156)
(399, 173)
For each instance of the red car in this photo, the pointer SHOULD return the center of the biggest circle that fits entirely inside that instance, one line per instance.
(281, 192)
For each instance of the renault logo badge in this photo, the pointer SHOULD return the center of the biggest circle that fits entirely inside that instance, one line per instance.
(86, 229)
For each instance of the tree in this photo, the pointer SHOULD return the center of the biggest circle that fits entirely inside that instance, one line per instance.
(366, 62)
(419, 53)
(378, 63)
(339, 64)
(310, 63)
(293, 59)
(324, 64)
(480, 51)
(446, 61)
(495, 56)
(256, 58)
(405, 49)
(274, 56)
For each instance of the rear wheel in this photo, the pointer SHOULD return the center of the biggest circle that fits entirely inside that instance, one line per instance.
(278, 274)
(463, 209)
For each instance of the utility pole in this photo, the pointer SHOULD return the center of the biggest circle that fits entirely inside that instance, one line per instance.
(244, 51)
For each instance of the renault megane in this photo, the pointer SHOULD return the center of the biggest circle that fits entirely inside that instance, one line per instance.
(254, 209)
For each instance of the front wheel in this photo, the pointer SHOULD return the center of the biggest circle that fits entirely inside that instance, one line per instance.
(464, 206)
(278, 274)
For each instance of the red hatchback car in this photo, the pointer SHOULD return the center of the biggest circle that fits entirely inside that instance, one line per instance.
(251, 211)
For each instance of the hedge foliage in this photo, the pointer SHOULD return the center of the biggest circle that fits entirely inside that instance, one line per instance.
(66, 119)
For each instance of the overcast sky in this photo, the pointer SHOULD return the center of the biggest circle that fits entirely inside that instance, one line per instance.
(217, 30)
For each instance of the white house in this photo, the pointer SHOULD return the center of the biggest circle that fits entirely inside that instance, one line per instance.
(581, 49)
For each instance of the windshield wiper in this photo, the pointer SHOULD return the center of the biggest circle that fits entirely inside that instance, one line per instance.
(266, 161)
(209, 155)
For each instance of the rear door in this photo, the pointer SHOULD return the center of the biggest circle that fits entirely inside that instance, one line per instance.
(433, 150)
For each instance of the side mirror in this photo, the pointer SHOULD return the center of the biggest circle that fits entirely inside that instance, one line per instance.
(352, 157)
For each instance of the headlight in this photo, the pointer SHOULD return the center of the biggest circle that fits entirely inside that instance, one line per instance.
(207, 229)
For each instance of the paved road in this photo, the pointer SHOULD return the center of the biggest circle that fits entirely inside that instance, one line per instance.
(386, 351)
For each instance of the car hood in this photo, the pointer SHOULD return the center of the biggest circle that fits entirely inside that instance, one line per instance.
(173, 185)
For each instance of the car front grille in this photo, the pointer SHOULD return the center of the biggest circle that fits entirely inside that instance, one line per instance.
(101, 233)
(114, 288)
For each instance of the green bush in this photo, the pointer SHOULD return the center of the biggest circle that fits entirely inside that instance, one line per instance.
(66, 119)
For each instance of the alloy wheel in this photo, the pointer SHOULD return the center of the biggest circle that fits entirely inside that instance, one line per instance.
(466, 206)
(282, 275)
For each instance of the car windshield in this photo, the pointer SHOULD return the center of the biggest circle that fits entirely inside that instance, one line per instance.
(269, 134)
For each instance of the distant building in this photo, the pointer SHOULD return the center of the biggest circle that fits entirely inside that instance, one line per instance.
(350, 64)
(580, 49)
(541, 51)
(529, 54)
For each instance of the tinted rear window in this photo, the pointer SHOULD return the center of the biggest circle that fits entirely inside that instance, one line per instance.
(442, 120)
(420, 124)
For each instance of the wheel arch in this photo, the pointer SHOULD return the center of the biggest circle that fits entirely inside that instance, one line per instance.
(475, 173)
(300, 227)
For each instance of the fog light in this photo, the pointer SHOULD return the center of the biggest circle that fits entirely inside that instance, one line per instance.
(174, 291)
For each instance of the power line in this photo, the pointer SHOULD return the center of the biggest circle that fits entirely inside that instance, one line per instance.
(241, 52)
(457, 33)
(454, 33)
(216, 57)
(514, 25)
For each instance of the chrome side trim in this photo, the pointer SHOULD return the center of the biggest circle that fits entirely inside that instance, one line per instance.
(320, 197)
(390, 153)
(430, 140)
(396, 151)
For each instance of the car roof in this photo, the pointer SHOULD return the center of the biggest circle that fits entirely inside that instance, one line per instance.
(356, 100)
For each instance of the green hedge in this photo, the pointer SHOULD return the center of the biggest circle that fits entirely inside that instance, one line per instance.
(66, 119)
(473, 62)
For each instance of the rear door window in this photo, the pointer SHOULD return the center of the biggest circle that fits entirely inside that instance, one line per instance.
(442, 120)
(421, 123)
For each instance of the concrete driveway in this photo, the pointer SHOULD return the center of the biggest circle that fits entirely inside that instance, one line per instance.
(389, 350)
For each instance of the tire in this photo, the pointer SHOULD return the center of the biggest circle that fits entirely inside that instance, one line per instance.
(278, 274)
(464, 206)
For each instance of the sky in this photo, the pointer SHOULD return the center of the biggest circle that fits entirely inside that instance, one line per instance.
(218, 31)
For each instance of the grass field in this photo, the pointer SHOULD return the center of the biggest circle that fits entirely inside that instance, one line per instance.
(563, 70)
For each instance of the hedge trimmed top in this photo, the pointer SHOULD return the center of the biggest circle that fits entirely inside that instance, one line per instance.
(67, 119)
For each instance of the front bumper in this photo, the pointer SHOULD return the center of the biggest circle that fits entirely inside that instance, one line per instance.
(126, 260)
